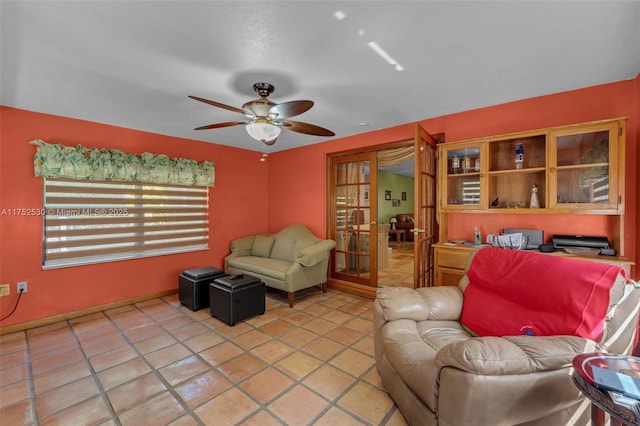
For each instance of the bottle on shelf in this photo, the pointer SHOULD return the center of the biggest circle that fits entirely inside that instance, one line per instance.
(519, 156)
(477, 237)
(466, 168)
(455, 164)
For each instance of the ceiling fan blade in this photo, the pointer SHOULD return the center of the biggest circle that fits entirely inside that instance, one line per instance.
(218, 125)
(306, 128)
(290, 109)
(218, 104)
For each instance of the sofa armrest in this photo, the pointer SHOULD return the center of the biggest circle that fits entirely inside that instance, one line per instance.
(315, 253)
(493, 356)
(433, 303)
(242, 246)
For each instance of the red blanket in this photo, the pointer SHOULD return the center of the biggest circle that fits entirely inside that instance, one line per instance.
(513, 292)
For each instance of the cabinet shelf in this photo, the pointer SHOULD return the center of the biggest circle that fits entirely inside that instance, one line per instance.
(574, 169)
(517, 171)
(461, 175)
(584, 166)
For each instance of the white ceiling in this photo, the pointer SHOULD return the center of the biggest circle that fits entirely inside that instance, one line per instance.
(133, 63)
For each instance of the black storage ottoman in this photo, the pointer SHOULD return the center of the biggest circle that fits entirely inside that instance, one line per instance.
(193, 286)
(234, 298)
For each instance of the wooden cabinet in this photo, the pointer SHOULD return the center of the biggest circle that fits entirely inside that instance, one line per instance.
(586, 167)
(578, 168)
(462, 183)
(450, 261)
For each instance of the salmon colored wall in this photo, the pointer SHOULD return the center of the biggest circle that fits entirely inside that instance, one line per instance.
(252, 197)
(238, 206)
(634, 188)
(297, 178)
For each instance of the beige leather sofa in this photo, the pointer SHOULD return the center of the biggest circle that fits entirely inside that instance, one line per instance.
(290, 260)
(440, 373)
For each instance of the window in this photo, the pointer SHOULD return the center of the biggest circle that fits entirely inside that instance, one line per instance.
(92, 222)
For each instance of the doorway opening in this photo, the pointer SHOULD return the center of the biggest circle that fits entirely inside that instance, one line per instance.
(361, 208)
(395, 208)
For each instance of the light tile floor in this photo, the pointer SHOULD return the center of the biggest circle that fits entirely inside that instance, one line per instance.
(399, 273)
(158, 363)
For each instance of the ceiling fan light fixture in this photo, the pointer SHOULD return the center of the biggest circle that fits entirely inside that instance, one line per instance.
(263, 132)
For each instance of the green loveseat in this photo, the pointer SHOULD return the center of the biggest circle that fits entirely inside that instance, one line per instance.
(290, 260)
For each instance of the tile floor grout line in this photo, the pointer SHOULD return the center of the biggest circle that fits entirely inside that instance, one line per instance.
(295, 381)
(235, 384)
(173, 320)
(332, 403)
(94, 376)
(30, 378)
(344, 392)
(168, 386)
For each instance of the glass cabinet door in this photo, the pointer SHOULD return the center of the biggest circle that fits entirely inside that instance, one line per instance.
(584, 167)
(461, 188)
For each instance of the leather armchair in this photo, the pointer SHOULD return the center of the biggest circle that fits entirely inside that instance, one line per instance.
(439, 372)
(406, 223)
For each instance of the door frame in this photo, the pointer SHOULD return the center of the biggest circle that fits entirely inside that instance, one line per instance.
(355, 287)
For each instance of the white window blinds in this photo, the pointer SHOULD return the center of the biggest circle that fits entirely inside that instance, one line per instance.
(91, 222)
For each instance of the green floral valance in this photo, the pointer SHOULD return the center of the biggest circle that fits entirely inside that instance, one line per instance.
(59, 161)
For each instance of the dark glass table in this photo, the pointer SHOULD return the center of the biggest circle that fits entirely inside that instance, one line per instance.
(602, 402)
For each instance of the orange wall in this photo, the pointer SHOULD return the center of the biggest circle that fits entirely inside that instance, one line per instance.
(238, 206)
(251, 196)
(300, 174)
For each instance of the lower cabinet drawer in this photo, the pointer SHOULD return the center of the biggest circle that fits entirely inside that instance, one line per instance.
(452, 257)
(446, 276)
(449, 263)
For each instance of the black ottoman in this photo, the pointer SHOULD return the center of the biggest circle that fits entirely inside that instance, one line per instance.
(193, 286)
(234, 298)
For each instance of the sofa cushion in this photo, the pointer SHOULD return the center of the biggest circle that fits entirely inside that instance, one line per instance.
(273, 268)
(515, 293)
(283, 249)
(262, 245)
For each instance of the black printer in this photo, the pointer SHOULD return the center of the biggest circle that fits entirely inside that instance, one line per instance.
(584, 242)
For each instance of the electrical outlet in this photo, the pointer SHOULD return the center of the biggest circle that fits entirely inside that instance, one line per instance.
(5, 289)
(22, 287)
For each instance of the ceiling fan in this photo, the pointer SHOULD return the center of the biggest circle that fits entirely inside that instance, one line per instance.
(265, 119)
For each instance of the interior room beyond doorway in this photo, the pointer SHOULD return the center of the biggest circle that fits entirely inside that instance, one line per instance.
(396, 196)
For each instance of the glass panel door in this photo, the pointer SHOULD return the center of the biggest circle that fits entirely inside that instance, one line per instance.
(352, 212)
(462, 184)
(425, 207)
(582, 167)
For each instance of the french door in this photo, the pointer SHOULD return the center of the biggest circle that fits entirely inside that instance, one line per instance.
(425, 211)
(353, 212)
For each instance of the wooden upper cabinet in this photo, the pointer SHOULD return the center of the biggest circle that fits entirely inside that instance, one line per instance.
(578, 168)
(586, 167)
